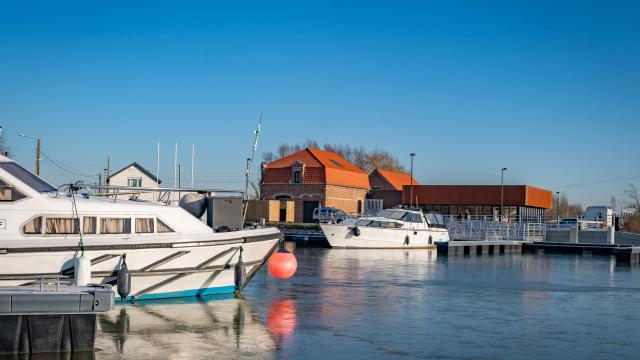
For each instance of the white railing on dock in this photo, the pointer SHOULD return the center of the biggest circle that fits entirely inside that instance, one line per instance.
(480, 230)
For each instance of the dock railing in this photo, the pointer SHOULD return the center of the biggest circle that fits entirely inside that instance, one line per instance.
(481, 230)
(551, 222)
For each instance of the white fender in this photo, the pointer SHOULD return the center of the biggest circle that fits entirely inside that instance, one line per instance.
(83, 270)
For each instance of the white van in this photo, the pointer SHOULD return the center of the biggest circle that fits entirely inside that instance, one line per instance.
(602, 214)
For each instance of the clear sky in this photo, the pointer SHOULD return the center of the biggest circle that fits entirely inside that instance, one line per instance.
(548, 89)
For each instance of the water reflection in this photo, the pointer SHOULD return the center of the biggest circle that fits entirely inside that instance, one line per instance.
(184, 329)
(281, 320)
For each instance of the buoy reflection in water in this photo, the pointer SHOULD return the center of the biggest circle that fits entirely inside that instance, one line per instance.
(281, 319)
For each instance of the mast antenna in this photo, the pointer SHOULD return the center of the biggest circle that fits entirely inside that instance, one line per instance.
(248, 170)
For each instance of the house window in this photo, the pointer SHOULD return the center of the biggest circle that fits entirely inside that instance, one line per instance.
(115, 226)
(134, 182)
(297, 176)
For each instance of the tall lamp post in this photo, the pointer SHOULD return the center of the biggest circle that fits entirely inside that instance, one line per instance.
(502, 192)
(411, 186)
(37, 139)
(558, 206)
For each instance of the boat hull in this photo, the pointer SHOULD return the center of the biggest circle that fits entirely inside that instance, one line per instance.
(165, 270)
(343, 236)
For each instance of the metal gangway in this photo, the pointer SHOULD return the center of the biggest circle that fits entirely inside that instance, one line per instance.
(487, 230)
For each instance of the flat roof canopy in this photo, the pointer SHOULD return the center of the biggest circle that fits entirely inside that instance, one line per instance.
(486, 195)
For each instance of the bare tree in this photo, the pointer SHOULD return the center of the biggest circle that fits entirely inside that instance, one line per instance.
(268, 156)
(284, 150)
(567, 209)
(380, 159)
(359, 156)
(633, 193)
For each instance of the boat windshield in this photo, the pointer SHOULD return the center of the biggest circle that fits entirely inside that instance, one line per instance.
(400, 215)
(435, 219)
(26, 177)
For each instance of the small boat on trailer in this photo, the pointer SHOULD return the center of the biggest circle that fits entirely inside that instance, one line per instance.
(167, 251)
(389, 228)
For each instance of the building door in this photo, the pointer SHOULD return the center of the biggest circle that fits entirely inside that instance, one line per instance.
(308, 207)
(283, 215)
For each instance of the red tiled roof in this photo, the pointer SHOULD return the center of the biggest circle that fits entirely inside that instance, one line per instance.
(321, 167)
(397, 179)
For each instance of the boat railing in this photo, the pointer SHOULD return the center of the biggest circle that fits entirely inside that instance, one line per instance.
(164, 195)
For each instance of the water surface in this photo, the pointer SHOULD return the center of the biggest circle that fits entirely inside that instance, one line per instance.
(396, 304)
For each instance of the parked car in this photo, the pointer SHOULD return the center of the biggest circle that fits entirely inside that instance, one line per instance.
(570, 224)
(328, 214)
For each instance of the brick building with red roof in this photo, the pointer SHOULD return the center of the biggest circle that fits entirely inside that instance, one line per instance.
(387, 186)
(313, 177)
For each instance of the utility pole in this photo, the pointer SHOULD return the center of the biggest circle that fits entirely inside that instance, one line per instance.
(558, 206)
(38, 156)
(175, 166)
(411, 186)
(193, 161)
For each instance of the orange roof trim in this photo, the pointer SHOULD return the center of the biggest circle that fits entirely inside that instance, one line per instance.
(397, 179)
(334, 170)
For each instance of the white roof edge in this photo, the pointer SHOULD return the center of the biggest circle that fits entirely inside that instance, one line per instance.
(5, 159)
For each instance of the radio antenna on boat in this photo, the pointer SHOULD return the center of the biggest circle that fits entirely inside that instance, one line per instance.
(248, 170)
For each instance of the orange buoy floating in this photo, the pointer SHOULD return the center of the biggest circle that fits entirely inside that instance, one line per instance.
(283, 264)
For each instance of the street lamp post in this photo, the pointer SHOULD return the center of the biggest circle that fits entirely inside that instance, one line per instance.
(37, 139)
(502, 192)
(558, 206)
(411, 186)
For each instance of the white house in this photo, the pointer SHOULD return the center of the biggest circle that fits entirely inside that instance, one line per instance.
(134, 175)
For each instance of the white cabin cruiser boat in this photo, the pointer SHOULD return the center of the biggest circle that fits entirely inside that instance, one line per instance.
(168, 251)
(390, 228)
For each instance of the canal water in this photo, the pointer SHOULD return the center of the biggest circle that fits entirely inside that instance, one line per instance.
(397, 304)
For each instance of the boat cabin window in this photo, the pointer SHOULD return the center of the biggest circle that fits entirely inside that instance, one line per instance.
(144, 225)
(412, 217)
(164, 228)
(33, 226)
(89, 225)
(115, 226)
(61, 226)
(363, 222)
(26, 177)
(9, 193)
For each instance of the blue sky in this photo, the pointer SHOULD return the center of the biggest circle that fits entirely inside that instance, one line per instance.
(548, 89)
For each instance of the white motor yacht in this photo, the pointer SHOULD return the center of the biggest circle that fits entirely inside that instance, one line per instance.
(389, 228)
(168, 251)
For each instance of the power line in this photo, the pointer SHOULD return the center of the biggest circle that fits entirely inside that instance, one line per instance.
(54, 162)
(598, 182)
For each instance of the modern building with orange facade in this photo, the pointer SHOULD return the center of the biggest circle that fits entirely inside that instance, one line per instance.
(519, 201)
